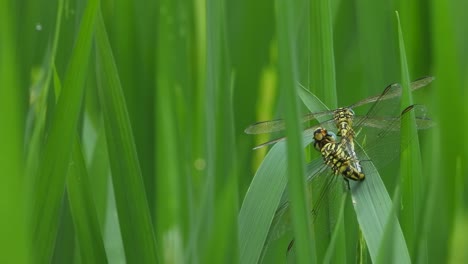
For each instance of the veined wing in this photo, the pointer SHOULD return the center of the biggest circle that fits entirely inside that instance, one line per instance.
(318, 175)
(395, 91)
(393, 123)
(392, 91)
(279, 124)
(382, 140)
(375, 122)
(381, 113)
(384, 116)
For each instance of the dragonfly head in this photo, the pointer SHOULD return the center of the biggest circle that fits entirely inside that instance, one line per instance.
(322, 137)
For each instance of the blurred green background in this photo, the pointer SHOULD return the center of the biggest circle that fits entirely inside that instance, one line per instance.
(122, 122)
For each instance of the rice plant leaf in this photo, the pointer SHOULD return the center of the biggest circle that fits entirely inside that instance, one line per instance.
(83, 210)
(39, 94)
(412, 183)
(450, 104)
(373, 208)
(13, 225)
(219, 211)
(288, 75)
(50, 183)
(172, 119)
(81, 202)
(261, 201)
(132, 205)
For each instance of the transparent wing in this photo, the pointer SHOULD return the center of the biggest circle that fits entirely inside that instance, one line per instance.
(279, 124)
(281, 221)
(392, 91)
(327, 125)
(380, 115)
(395, 91)
(383, 142)
(327, 186)
(379, 129)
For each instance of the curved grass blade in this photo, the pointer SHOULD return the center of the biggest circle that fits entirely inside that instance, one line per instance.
(132, 205)
(373, 208)
(82, 207)
(50, 183)
(262, 200)
(260, 203)
(39, 94)
(81, 202)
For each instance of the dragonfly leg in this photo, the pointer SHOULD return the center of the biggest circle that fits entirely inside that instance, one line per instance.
(347, 187)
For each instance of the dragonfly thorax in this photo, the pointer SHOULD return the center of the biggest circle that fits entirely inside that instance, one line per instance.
(343, 118)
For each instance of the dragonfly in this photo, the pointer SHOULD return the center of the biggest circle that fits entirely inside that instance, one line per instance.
(335, 155)
(378, 130)
(382, 116)
(371, 119)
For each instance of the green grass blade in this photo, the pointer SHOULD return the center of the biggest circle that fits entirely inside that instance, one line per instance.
(83, 210)
(262, 200)
(221, 169)
(13, 225)
(295, 155)
(374, 34)
(172, 119)
(322, 70)
(39, 96)
(50, 183)
(132, 206)
(133, 43)
(411, 167)
(415, 33)
(323, 76)
(373, 208)
(333, 253)
(449, 101)
(81, 204)
(260, 203)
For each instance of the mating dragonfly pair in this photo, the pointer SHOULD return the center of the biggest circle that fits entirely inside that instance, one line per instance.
(378, 131)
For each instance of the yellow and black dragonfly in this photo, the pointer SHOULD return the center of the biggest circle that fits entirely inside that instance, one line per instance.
(378, 116)
(378, 130)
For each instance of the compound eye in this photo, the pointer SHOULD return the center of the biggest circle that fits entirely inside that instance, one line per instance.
(319, 130)
(319, 133)
(318, 137)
